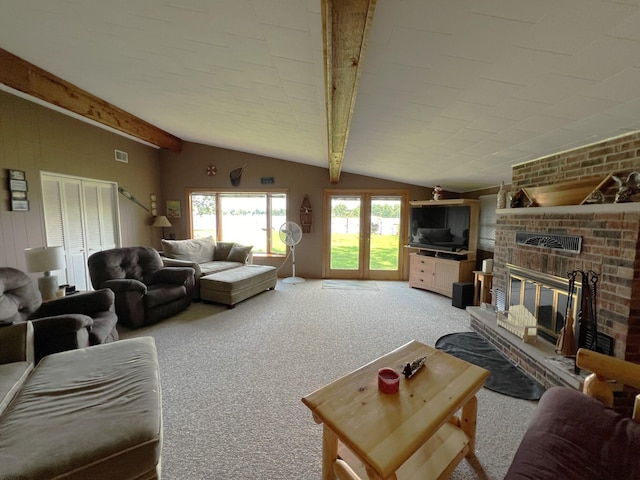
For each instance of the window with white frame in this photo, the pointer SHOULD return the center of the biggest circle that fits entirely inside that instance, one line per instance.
(249, 218)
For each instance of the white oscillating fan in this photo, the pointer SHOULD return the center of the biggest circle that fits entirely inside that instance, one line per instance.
(291, 234)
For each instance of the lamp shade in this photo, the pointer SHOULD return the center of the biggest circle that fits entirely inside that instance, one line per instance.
(44, 259)
(161, 221)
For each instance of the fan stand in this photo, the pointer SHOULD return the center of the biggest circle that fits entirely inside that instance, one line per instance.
(294, 279)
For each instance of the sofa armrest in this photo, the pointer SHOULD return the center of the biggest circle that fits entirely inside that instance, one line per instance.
(87, 303)
(179, 275)
(16, 343)
(60, 333)
(174, 262)
(120, 285)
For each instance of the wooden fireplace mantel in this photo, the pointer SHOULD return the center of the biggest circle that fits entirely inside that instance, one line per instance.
(573, 209)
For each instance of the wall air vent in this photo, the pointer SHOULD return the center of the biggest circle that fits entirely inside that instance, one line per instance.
(568, 243)
(121, 156)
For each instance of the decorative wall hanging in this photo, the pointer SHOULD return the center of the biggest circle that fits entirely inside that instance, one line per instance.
(18, 189)
(173, 209)
(236, 175)
(306, 215)
(627, 188)
(153, 204)
(212, 170)
(131, 197)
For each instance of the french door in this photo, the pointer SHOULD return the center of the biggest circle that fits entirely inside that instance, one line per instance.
(363, 234)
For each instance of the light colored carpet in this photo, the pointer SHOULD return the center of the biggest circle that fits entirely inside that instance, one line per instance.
(232, 380)
(350, 284)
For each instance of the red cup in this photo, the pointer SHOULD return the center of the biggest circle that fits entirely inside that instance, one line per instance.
(388, 380)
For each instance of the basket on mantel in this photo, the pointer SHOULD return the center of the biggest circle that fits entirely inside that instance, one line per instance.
(519, 321)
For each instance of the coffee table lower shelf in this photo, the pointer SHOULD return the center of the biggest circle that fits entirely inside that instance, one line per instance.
(437, 458)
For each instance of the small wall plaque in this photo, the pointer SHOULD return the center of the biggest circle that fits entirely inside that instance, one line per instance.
(267, 180)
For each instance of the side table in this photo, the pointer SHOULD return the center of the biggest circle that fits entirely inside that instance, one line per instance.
(414, 432)
(482, 287)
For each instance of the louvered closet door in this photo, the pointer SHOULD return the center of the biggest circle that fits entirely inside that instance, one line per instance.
(82, 216)
(75, 247)
(54, 222)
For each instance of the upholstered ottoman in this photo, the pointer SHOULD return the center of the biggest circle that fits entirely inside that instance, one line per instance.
(233, 286)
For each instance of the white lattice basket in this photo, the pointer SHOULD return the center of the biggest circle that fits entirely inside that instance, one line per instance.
(519, 321)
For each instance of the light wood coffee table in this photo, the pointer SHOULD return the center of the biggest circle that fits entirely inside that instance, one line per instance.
(414, 433)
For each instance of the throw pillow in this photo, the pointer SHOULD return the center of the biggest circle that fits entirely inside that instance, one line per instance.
(239, 253)
(196, 250)
(222, 251)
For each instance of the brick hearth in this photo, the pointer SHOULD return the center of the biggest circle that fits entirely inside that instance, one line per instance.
(538, 359)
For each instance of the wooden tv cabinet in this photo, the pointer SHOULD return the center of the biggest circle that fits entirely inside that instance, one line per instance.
(438, 274)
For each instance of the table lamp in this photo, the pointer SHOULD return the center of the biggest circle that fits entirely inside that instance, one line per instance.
(45, 259)
(161, 221)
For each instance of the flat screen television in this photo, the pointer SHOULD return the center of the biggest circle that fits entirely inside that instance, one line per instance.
(440, 227)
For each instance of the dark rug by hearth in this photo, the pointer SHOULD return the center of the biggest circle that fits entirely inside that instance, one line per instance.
(504, 378)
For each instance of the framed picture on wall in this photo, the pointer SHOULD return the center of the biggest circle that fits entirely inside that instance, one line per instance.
(17, 185)
(20, 205)
(17, 175)
(173, 209)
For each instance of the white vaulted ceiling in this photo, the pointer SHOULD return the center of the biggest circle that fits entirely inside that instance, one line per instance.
(451, 92)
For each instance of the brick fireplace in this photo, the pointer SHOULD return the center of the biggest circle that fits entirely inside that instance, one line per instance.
(610, 242)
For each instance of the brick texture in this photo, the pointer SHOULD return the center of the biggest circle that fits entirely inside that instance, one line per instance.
(609, 240)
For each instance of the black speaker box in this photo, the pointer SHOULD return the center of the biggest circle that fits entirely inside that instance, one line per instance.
(462, 294)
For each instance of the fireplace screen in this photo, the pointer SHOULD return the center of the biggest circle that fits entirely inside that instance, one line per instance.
(544, 296)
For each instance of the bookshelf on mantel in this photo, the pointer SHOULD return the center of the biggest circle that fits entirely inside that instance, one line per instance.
(437, 270)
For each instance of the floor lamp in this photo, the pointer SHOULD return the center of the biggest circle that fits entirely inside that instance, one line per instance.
(45, 259)
(161, 221)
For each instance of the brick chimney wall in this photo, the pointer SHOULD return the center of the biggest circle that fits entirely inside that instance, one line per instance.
(610, 235)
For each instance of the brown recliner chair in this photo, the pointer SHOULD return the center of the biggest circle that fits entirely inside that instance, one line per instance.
(146, 291)
(66, 323)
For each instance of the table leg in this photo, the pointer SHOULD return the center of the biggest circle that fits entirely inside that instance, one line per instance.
(329, 453)
(469, 416)
(476, 290)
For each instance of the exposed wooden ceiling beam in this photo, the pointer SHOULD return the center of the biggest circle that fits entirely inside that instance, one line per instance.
(346, 25)
(32, 80)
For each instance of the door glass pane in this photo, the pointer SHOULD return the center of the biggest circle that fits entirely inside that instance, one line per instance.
(529, 300)
(516, 286)
(345, 233)
(545, 308)
(384, 239)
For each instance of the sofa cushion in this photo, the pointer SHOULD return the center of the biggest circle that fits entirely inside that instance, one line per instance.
(12, 376)
(222, 250)
(239, 253)
(196, 250)
(88, 413)
(574, 437)
(213, 267)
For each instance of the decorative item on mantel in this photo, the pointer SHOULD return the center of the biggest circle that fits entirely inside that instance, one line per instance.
(502, 196)
(306, 215)
(437, 192)
(520, 199)
(627, 188)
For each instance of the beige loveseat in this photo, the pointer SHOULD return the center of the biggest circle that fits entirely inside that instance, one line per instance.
(205, 255)
(93, 412)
